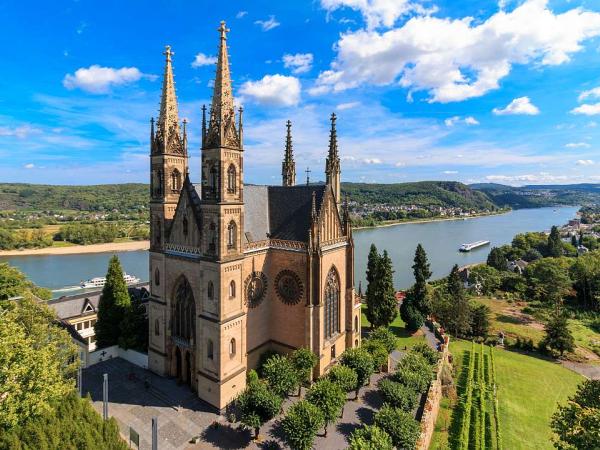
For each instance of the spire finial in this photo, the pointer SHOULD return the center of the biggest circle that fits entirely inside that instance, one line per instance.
(307, 175)
(223, 30)
(168, 118)
(168, 53)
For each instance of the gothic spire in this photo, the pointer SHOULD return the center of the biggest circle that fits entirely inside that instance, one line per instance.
(288, 167)
(332, 164)
(221, 127)
(167, 134)
(333, 148)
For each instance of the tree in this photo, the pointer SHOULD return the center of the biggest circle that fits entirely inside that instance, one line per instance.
(281, 375)
(257, 405)
(378, 352)
(361, 362)
(423, 349)
(422, 273)
(586, 274)
(558, 336)
(497, 259)
(300, 425)
(113, 306)
(134, 327)
(452, 307)
(386, 337)
(414, 371)
(577, 424)
(397, 394)
(480, 320)
(304, 361)
(399, 425)
(329, 398)
(13, 283)
(38, 362)
(345, 377)
(487, 277)
(574, 241)
(555, 245)
(372, 281)
(370, 437)
(548, 279)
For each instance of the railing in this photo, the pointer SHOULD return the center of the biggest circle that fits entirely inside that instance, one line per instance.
(187, 249)
(276, 243)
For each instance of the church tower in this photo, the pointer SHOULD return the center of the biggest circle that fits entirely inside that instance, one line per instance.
(332, 165)
(168, 158)
(288, 167)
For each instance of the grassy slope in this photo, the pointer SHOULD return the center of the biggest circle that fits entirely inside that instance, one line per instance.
(397, 327)
(528, 391)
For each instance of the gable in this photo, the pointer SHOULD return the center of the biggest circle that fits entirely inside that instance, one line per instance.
(330, 222)
(87, 307)
(185, 228)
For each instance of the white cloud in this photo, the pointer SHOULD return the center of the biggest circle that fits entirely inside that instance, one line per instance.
(469, 120)
(521, 105)
(594, 93)
(98, 80)
(450, 172)
(400, 164)
(577, 145)
(584, 162)
(349, 105)
(203, 60)
(456, 59)
(269, 24)
(298, 63)
(542, 177)
(29, 166)
(372, 161)
(21, 131)
(278, 90)
(592, 109)
(241, 14)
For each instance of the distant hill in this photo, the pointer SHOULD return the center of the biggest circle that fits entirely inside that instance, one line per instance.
(535, 196)
(422, 193)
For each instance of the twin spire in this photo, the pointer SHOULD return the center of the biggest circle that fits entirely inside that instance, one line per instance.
(288, 167)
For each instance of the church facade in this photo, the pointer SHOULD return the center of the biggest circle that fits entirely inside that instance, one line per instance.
(235, 269)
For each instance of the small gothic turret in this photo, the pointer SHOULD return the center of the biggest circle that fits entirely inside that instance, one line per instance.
(288, 166)
(332, 165)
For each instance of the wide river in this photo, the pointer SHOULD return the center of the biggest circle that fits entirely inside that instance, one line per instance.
(441, 240)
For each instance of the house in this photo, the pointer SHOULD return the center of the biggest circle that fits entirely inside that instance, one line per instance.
(517, 266)
(582, 249)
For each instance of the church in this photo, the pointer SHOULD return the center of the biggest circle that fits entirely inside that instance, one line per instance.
(235, 269)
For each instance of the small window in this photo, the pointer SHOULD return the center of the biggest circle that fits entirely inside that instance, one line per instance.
(210, 351)
(157, 277)
(356, 343)
(78, 326)
(232, 347)
(333, 351)
(231, 234)
(356, 324)
(210, 290)
(232, 289)
(156, 327)
(231, 179)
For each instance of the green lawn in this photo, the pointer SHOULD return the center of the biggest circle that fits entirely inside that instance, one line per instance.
(528, 391)
(405, 338)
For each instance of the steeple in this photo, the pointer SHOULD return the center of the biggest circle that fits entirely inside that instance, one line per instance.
(221, 127)
(288, 167)
(332, 165)
(168, 136)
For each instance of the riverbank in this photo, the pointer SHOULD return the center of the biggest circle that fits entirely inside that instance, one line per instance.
(80, 249)
(391, 223)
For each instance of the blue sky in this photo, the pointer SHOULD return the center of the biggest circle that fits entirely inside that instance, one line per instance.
(475, 91)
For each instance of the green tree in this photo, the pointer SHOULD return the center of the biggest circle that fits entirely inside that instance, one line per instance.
(452, 307)
(113, 306)
(423, 349)
(134, 327)
(386, 337)
(258, 404)
(359, 360)
(414, 371)
(370, 437)
(555, 244)
(558, 336)
(281, 375)
(397, 395)
(488, 278)
(574, 241)
(497, 259)
(38, 362)
(377, 351)
(577, 423)
(345, 377)
(400, 426)
(371, 293)
(329, 398)
(422, 273)
(300, 425)
(586, 274)
(304, 361)
(381, 296)
(13, 283)
(410, 315)
(548, 279)
(480, 319)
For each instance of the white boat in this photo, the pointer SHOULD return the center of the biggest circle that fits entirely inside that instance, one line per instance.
(99, 282)
(472, 245)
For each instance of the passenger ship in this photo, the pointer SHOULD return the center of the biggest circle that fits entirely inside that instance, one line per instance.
(99, 282)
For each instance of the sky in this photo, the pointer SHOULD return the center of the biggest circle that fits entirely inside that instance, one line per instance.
(471, 90)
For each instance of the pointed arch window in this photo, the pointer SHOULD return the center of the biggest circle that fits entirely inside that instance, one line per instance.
(210, 349)
(212, 238)
(232, 289)
(356, 324)
(231, 179)
(212, 181)
(232, 348)
(156, 277)
(231, 234)
(210, 290)
(156, 328)
(184, 312)
(175, 180)
(332, 304)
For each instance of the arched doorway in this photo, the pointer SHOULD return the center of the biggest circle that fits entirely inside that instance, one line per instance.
(178, 371)
(183, 329)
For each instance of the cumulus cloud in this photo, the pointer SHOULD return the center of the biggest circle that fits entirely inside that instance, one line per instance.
(588, 109)
(584, 162)
(577, 145)
(349, 105)
(456, 59)
(269, 24)
(594, 93)
(298, 63)
(521, 105)
(21, 131)
(542, 177)
(469, 120)
(203, 60)
(99, 80)
(276, 90)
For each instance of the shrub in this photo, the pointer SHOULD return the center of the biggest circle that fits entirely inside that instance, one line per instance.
(304, 362)
(377, 351)
(329, 398)
(257, 405)
(280, 375)
(423, 349)
(300, 425)
(370, 437)
(412, 380)
(397, 395)
(262, 360)
(345, 377)
(386, 337)
(400, 426)
(361, 362)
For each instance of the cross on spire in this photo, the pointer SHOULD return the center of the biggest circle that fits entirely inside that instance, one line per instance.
(223, 30)
(168, 52)
(307, 175)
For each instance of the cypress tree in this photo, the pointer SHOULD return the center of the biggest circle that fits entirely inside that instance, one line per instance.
(460, 316)
(574, 241)
(555, 247)
(113, 306)
(372, 281)
(387, 307)
(422, 274)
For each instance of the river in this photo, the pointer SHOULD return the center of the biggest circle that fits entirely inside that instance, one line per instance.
(441, 240)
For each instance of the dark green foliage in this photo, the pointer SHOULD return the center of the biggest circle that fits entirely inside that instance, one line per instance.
(113, 306)
(134, 327)
(548, 279)
(586, 274)
(400, 426)
(480, 319)
(451, 306)
(558, 336)
(304, 361)
(71, 423)
(300, 425)
(386, 337)
(487, 278)
(555, 244)
(411, 316)
(329, 398)
(361, 362)
(577, 424)
(426, 352)
(343, 376)
(262, 359)
(397, 394)
(281, 375)
(258, 404)
(497, 259)
(414, 371)
(417, 304)
(370, 437)
(381, 300)
(574, 240)
(378, 352)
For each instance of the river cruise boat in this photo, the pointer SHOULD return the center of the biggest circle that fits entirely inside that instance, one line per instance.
(472, 245)
(99, 282)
